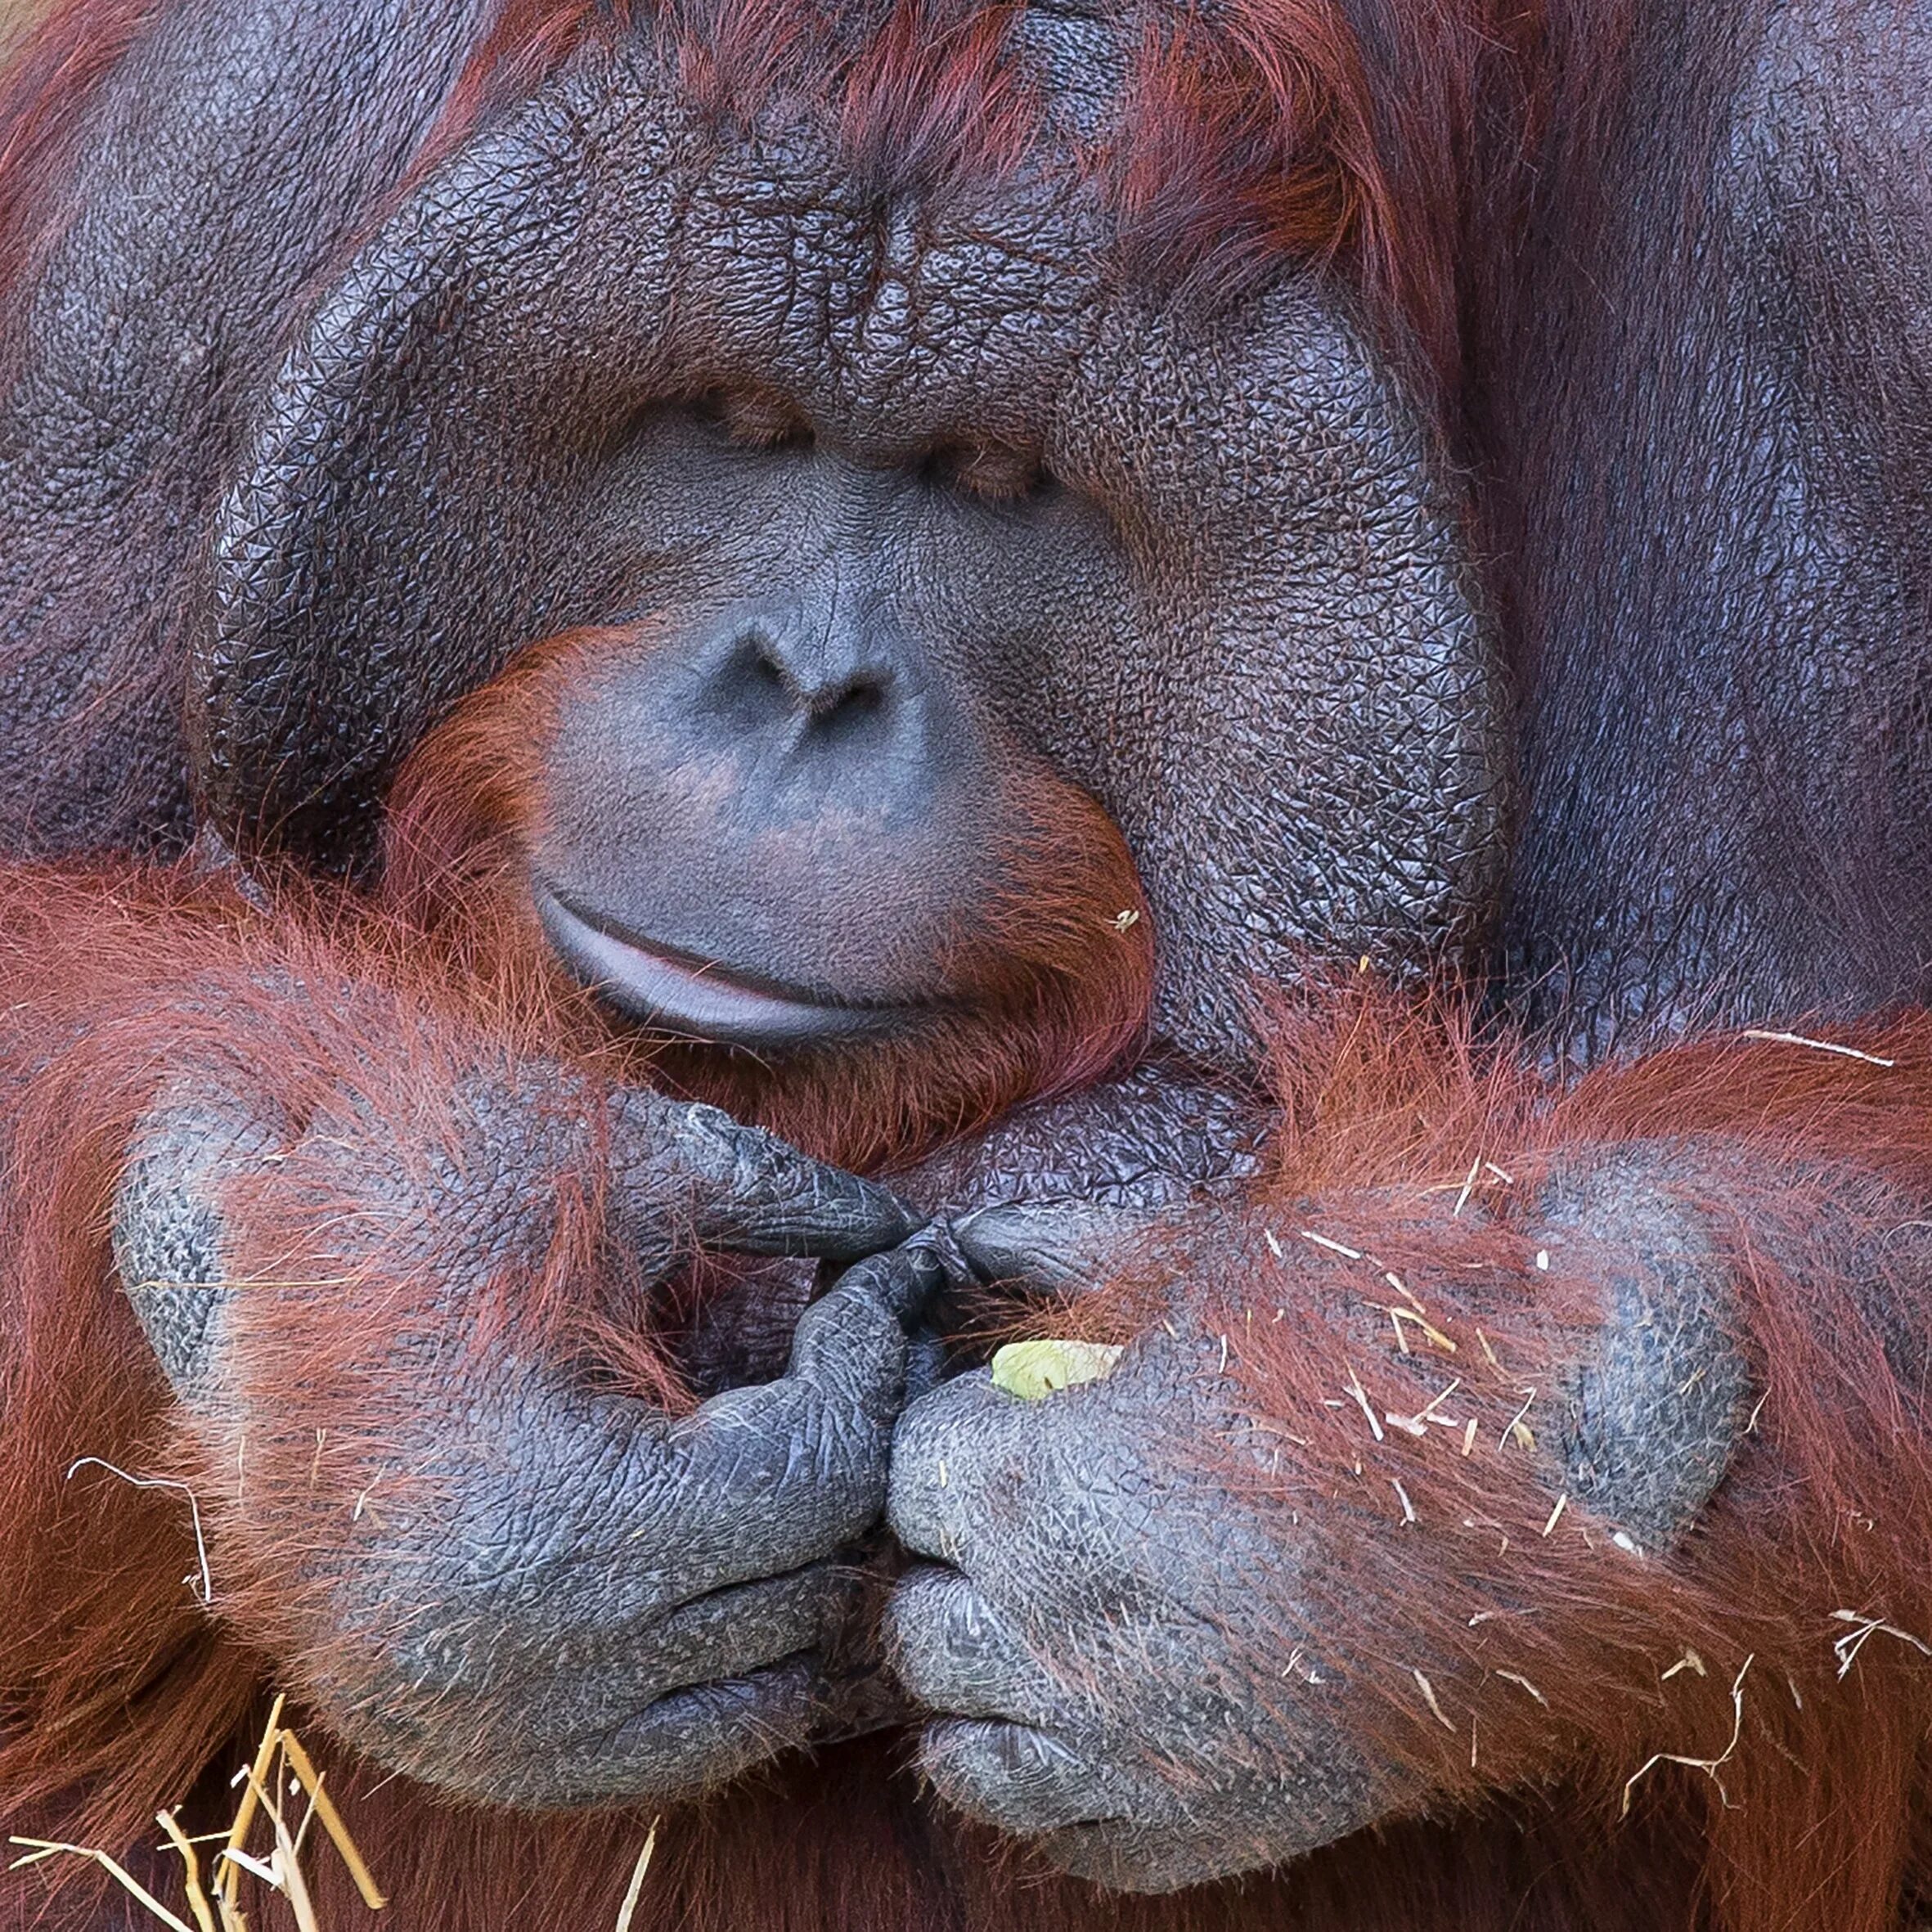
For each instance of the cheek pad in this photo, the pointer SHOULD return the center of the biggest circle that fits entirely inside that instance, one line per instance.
(1306, 741)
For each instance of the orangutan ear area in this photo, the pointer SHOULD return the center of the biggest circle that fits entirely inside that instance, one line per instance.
(1726, 1735)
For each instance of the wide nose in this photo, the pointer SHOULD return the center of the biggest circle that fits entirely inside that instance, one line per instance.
(806, 675)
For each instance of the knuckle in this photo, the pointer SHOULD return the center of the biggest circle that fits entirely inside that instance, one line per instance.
(953, 1652)
(961, 1459)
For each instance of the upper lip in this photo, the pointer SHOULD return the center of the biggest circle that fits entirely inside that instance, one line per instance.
(695, 998)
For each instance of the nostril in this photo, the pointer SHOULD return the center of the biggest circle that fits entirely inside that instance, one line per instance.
(850, 711)
(860, 699)
(764, 678)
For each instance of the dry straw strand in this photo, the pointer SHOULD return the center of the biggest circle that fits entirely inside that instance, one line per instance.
(48, 1848)
(635, 1890)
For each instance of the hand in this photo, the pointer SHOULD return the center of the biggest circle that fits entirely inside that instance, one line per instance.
(1099, 1633)
(1054, 1192)
(488, 1569)
(1158, 1624)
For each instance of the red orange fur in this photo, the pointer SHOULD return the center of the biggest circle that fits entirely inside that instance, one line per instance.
(120, 1690)
(1303, 126)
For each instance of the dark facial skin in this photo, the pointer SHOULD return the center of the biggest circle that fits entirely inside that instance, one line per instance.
(794, 781)
(948, 462)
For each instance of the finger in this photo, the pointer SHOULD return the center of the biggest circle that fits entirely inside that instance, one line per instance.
(791, 1470)
(743, 1628)
(904, 1280)
(694, 1740)
(927, 1363)
(773, 1476)
(853, 1340)
(959, 1656)
(1154, 1855)
(1018, 1778)
(753, 1192)
(1064, 1246)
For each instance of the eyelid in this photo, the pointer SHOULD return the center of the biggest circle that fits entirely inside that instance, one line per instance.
(992, 472)
(759, 419)
(772, 424)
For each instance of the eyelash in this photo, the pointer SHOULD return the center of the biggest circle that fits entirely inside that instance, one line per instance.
(993, 474)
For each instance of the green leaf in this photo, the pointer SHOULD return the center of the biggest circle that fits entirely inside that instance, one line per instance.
(1032, 1370)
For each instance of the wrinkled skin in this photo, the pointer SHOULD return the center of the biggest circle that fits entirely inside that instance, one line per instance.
(659, 1619)
(1130, 622)
(1238, 616)
(1107, 1605)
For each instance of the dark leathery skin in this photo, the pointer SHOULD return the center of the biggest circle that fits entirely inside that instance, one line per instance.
(1268, 672)
(1100, 1627)
(647, 1609)
(1057, 1192)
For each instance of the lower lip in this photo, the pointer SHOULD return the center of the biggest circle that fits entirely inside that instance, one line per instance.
(696, 1002)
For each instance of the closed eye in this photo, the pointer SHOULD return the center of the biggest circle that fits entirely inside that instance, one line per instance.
(993, 473)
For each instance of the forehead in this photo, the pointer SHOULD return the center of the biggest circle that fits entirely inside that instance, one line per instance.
(765, 251)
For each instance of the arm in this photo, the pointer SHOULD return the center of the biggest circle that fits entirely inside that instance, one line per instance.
(408, 1278)
(1248, 1594)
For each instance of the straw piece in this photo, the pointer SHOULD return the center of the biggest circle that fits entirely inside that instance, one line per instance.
(1334, 1247)
(1516, 1429)
(249, 1862)
(1822, 1046)
(628, 1910)
(1515, 1677)
(245, 1812)
(1847, 1648)
(197, 1899)
(284, 1869)
(1429, 1696)
(46, 1848)
(311, 1781)
(1361, 1396)
(1708, 1766)
(1436, 1337)
(159, 1482)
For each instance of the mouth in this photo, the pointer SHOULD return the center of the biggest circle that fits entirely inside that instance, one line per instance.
(689, 997)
